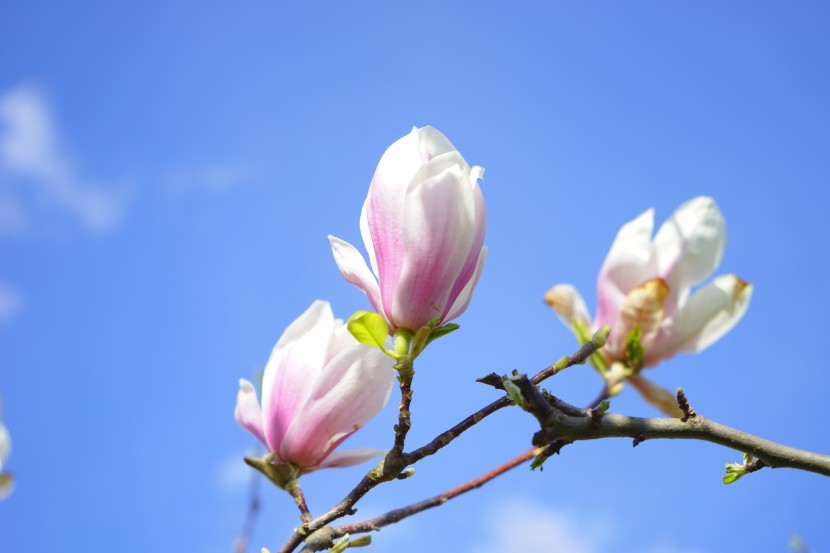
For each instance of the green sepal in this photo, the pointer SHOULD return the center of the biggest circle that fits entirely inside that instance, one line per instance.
(370, 329)
(635, 355)
(441, 331)
(583, 337)
(281, 474)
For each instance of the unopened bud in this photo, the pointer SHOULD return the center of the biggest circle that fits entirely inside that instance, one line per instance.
(601, 336)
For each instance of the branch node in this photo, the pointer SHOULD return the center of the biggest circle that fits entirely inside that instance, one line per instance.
(638, 439)
(683, 403)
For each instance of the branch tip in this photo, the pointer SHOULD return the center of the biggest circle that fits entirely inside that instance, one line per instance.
(683, 403)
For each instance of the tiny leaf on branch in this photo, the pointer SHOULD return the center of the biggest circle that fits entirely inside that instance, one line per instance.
(370, 329)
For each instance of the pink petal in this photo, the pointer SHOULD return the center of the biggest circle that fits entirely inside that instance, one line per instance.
(247, 412)
(353, 388)
(441, 230)
(351, 457)
(463, 299)
(354, 269)
(293, 368)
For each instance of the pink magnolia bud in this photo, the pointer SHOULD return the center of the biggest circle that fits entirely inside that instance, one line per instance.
(319, 387)
(423, 226)
(647, 283)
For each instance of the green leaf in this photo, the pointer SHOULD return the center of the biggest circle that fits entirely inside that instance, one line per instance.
(441, 331)
(734, 472)
(369, 328)
(634, 352)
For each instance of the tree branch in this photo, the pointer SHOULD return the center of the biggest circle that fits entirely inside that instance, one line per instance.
(397, 515)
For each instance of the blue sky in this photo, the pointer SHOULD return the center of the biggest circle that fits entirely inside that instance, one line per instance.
(182, 163)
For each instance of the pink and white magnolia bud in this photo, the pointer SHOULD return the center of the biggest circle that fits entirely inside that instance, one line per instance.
(423, 225)
(319, 387)
(647, 283)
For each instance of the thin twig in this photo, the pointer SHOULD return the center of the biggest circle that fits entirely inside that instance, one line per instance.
(293, 487)
(392, 465)
(397, 515)
(240, 544)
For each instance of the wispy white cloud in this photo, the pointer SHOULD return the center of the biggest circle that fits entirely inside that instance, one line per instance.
(216, 178)
(524, 525)
(232, 474)
(11, 301)
(38, 173)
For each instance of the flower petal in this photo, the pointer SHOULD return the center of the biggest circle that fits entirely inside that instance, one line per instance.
(247, 412)
(568, 304)
(656, 395)
(709, 314)
(689, 247)
(441, 230)
(294, 366)
(353, 388)
(351, 457)
(462, 302)
(629, 263)
(354, 269)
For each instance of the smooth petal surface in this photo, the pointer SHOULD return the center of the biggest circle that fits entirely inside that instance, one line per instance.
(441, 230)
(354, 270)
(689, 247)
(567, 303)
(352, 388)
(709, 314)
(293, 368)
(351, 457)
(462, 302)
(628, 264)
(247, 413)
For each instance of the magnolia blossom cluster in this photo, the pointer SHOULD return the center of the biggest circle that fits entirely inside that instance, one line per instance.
(645, 285)
(423, 225)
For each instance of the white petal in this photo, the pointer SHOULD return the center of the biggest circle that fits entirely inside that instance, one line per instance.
(351, 457)
(354, 269)
(689, 247)
(247, 412)
(367, 237)
(629, 263)
(5, 445)
(709, 314)
(568, 304)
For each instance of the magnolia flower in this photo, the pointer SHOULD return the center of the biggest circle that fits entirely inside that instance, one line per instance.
(423, 225)
(646, 284)
(319, 387)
